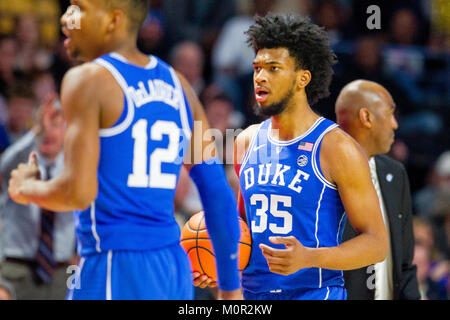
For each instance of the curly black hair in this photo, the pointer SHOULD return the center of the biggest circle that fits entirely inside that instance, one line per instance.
(307, 43)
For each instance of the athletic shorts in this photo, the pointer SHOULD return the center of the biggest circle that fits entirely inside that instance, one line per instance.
(163, 274)
(327, 293)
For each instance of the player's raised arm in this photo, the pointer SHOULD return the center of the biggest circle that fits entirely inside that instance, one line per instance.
(218, 200)
(76, 187)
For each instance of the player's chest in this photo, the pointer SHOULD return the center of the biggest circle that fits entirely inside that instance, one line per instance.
(286, 170)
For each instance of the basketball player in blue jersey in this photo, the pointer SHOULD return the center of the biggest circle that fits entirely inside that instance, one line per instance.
(301, 177)
(129, 121)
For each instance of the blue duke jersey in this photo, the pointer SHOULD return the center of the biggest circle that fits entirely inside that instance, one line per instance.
(286, 194)
(140, 160)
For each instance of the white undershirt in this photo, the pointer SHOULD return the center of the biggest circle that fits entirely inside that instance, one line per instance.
(383, 270)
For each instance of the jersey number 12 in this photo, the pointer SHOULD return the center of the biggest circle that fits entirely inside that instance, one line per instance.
(139, 178)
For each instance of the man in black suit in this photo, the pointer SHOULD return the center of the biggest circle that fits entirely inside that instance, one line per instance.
(365, 110)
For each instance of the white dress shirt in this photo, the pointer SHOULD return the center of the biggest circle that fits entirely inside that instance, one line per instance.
(20, 225)
(383, 270)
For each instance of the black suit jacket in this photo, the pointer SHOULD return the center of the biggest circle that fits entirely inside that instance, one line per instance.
(394, 185)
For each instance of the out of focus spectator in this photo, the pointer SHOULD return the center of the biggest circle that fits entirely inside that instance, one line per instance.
(22, 246)
(439, 183)
(197, 20)
(9, 75)
(232, 57)
(47, 12)
(440, 218)
(331, 15)
(188, 59)
(152, 36)
(432, 270)
(404, 28)
(21, 105)
(365, 62)
(31, 55)
(8, 72)
(44, 85)
(303, 7)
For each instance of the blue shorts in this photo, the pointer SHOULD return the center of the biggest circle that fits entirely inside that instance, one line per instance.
(327, 293)
(163, 274)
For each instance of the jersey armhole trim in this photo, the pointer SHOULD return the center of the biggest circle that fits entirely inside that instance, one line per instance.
(316, 169)
(250, 148)
(122, 126)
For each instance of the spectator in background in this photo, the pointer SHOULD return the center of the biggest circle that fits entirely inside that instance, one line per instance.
(197, 20)
(47, 12)
(31, 56)
(8, 73)
(232, 58)
(331, 15)
(35, 265)
(188, 59)
(219, 112)
(439, 183)
(303, 7)
(21, 106)
(366, 62)
(432, 271)
(43, 85)
(152, 35)
(408, 27)
(440, 218)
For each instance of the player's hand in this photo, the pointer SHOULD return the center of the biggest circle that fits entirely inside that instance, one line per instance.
(202, 281)
(286, 261)
(230, 295)
(20, 176)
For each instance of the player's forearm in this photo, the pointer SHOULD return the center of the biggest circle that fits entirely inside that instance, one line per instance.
(57, 195)
(361, 251)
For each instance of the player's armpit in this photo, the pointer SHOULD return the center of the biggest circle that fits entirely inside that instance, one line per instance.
(345, 164)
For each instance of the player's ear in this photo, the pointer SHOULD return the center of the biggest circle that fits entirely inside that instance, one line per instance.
(303, 77)
(117, 18)
(366, 117)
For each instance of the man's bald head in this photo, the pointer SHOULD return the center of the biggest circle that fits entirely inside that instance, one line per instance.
(365, 110)
(360, 94)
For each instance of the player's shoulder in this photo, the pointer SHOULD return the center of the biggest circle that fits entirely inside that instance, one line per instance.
(242, 142)
(85, 73)
(338, 146)
(82, 83)
(248, 133)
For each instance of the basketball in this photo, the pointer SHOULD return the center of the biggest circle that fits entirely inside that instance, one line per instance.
(198, 246)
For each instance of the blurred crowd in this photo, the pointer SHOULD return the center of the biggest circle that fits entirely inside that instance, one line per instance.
(204, 40)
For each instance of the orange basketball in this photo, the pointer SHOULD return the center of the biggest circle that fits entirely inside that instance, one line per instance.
(195, 241)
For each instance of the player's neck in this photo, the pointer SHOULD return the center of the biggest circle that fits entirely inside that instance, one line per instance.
(294, 121)
(132, 54)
